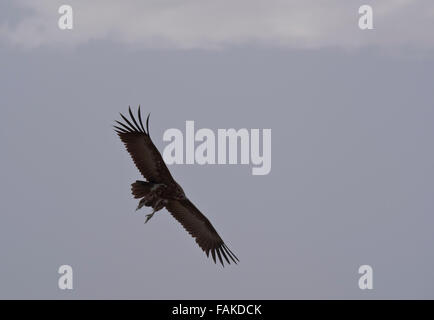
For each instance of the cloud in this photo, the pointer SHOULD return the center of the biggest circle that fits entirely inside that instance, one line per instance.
(211, 24)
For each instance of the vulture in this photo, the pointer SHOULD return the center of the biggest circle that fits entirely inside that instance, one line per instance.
(160, 190)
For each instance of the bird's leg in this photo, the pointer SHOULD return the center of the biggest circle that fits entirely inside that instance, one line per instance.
(158, 205)
(141, 203)
(145, 201)
(139, 206)
(149, 216)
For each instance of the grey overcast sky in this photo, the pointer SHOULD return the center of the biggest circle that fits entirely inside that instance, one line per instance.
(352, 175)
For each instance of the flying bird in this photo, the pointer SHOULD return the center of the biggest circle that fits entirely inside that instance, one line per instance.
(160, 190)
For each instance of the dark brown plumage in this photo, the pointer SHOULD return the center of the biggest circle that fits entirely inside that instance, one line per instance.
(162, 191)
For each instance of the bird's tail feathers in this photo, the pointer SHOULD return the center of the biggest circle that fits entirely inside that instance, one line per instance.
(140, 188)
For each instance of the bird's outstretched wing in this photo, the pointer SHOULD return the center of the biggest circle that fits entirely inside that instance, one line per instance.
(145, 155)
(199, 227)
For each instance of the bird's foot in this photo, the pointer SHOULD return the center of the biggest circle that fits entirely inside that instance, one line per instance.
(149, 216)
